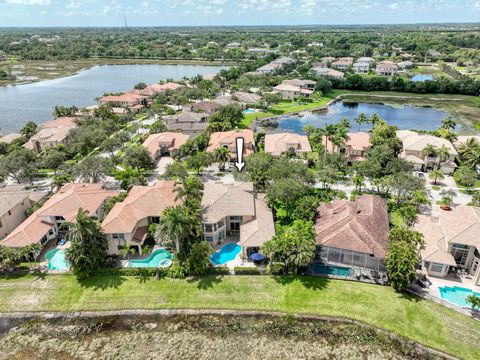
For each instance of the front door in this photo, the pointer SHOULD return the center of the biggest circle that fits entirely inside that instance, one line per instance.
(235, 226)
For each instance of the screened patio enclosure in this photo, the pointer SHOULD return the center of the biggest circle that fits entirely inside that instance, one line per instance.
(334, 256)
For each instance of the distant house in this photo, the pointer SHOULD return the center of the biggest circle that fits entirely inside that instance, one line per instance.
(353, 234)
(282, 61)
(405, 65)
(386, 68)
(44, 224)
(413, 145)
(129, 100)
(154, 89)
(233, 211)
(327, 59)
(324, 71)
(14, 203)
(3, 57)
(164, 143)
(207, 107)
(268, 69)
(127, 223)
(365, 60)
(259, 51)
(289, 89)
(355, 148)
(361, 68)
(452, 241)
(342, 64)
(187, 122)
(9, 138)
(51, 134)
(247, 98)
(227, 139)
(277, 144)
(225, 101)
(233, 45)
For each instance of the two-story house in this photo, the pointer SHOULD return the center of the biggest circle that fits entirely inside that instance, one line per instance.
(188, 122)
(44, 224)
(354, 148)
(290, 89)
(162, 144)
(233, 211)
(128, 221)
(386, 68)
(227, 139)
(342, 64)
(51, 134)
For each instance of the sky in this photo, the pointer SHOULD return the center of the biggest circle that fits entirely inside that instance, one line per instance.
(233, 12)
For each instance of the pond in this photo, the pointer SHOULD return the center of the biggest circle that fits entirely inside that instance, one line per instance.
(421, 77)
(22, 103)
(404, 117)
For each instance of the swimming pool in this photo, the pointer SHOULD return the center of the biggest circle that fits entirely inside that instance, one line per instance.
(249, 111)
(421, 77)
(456, 295)
(319, 268)
(158, 258)
(226, 253)
(56, 260)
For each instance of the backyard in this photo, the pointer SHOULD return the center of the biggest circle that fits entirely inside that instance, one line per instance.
(419, 320)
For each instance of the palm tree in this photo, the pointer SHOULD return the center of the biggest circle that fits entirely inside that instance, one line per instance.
(444, 153)
(192, 188)
(127, 250)
(361, 119)
(328, 132)
(470, 152)
(30, 252)
(345, 123)
(449, 123)
(358, 181)
(474, 300)
(429, 151)
(176, 225)
(222, 155)
(308, 129)
(436, 175)
(374, 119)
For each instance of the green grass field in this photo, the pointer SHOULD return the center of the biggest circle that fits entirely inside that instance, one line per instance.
(419, 320)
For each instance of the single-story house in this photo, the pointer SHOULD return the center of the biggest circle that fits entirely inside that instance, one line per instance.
(452, 241)
(43, 225)
(277, 144)
(234, 211)
(413, 145)
(228, 139)
(207, 107)
(324, 71)
(128, 221)
(353, 234)
(164, 143)
(282, 61)
(247, 98)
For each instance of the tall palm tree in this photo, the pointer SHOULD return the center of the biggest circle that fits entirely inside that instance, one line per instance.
(470, 152)
(328, 132)
(176, 225)
(429, 151)
(191, 188)
(374, 119)
(444, 153)
(361, 119)
(222, 155)
(436, 175)
(308, 129)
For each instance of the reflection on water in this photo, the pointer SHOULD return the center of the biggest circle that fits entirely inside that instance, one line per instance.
(404, 117)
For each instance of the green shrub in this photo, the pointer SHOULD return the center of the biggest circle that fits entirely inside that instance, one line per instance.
(239, 270)
(219, 271)
(144, 272)
(176, 271)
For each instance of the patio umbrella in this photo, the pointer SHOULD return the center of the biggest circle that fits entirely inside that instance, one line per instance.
(257, 257)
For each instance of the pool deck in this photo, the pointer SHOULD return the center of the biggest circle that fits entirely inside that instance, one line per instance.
(451, 280)
(238, 260)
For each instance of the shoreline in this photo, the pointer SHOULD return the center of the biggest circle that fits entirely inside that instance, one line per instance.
(87, 64)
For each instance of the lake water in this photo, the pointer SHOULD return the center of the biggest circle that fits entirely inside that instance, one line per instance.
(405, 117)
(21, 103)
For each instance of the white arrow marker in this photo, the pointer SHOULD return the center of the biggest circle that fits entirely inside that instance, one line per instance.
(239, 164)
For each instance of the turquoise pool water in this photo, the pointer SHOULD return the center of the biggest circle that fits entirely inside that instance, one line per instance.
(457, 295)
(421, 77)
(225, 254)
(56, 260)
(249, 111)
(319, 268)
(158, 258)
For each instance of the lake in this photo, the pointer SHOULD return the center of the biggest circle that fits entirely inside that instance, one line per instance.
(405, 117)
(22, 103)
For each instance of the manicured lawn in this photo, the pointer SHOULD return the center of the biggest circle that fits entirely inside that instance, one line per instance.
(423, 321)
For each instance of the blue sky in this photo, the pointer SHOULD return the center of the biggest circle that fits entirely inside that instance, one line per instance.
(233, 12)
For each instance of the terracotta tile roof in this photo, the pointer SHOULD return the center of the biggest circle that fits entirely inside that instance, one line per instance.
(209, 107)
(247, 97)
(256, 232)
(460, 226)
(141, 203)
(228, 138)
(10, 137)
(60, 122)
(173, 140)
(66, 202)
(359, 141)
(358, 226)
(157, 88)
(276, 144)
(415, 142)
(220, 200)
(129, 98)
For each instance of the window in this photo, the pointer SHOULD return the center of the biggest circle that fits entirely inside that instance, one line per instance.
(235, 218)
(208, 227)
(221, 235)
(155, 220)
(118, 236)
(221, 224)
(59, 218)
(9, 212)
(460, 253)
(209, 238)
(434, 267)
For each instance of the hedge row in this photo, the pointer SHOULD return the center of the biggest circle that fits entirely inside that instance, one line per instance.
(246, 271)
